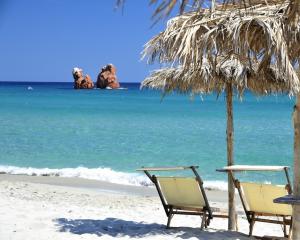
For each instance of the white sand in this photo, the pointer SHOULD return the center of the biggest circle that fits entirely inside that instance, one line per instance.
(30, 210)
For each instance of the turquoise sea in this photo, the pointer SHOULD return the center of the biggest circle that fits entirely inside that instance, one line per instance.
(49, 128)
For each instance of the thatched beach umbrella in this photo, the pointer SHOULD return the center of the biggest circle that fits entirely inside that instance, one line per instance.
(232, 48)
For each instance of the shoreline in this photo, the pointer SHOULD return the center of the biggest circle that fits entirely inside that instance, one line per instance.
(81, 183)
(100, 174)
(214, 195)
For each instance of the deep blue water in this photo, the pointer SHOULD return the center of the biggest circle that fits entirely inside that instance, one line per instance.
(54, 126)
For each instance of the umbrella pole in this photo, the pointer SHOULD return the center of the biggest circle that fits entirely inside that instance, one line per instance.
(232, 221)
(296, 192)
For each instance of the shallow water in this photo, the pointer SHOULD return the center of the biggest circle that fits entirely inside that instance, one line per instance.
(107, 134)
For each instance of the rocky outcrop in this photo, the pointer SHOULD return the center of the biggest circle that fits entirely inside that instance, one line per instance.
(107, 77)
(84, 83)
(80, 81)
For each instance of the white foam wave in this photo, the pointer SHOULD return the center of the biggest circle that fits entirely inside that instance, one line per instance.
(103, 174)
(216, 185)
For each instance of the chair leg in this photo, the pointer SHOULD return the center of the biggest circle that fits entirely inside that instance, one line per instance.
(203, 223)
(284, 227)
(207, 222)
(290, 230)
(169, 220)
(251, 224)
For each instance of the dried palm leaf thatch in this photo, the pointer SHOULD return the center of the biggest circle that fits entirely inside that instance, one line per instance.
(256, 34)
(240, 73)
(293, 13)
(163, 8)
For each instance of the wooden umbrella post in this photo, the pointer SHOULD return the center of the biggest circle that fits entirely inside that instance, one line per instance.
(232, 221)
(296, 192)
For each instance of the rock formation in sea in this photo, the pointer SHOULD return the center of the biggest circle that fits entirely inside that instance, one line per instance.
(107, 77)
(81, 81)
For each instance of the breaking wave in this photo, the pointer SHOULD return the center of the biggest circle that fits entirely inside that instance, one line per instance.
(103, 174)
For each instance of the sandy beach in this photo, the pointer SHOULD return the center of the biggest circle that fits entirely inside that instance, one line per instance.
(55, 208)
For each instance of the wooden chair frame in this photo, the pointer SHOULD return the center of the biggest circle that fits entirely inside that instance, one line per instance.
(253, 217)
(171, 210)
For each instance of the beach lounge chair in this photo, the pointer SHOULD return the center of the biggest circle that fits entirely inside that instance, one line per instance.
(182, 195)
(257, 198)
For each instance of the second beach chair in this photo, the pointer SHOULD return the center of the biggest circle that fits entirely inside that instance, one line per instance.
(257, 198)
(182, 195)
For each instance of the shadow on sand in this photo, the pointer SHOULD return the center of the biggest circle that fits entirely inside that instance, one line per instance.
(120, 228)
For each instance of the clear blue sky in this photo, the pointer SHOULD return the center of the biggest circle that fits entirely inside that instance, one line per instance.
(42, 40)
